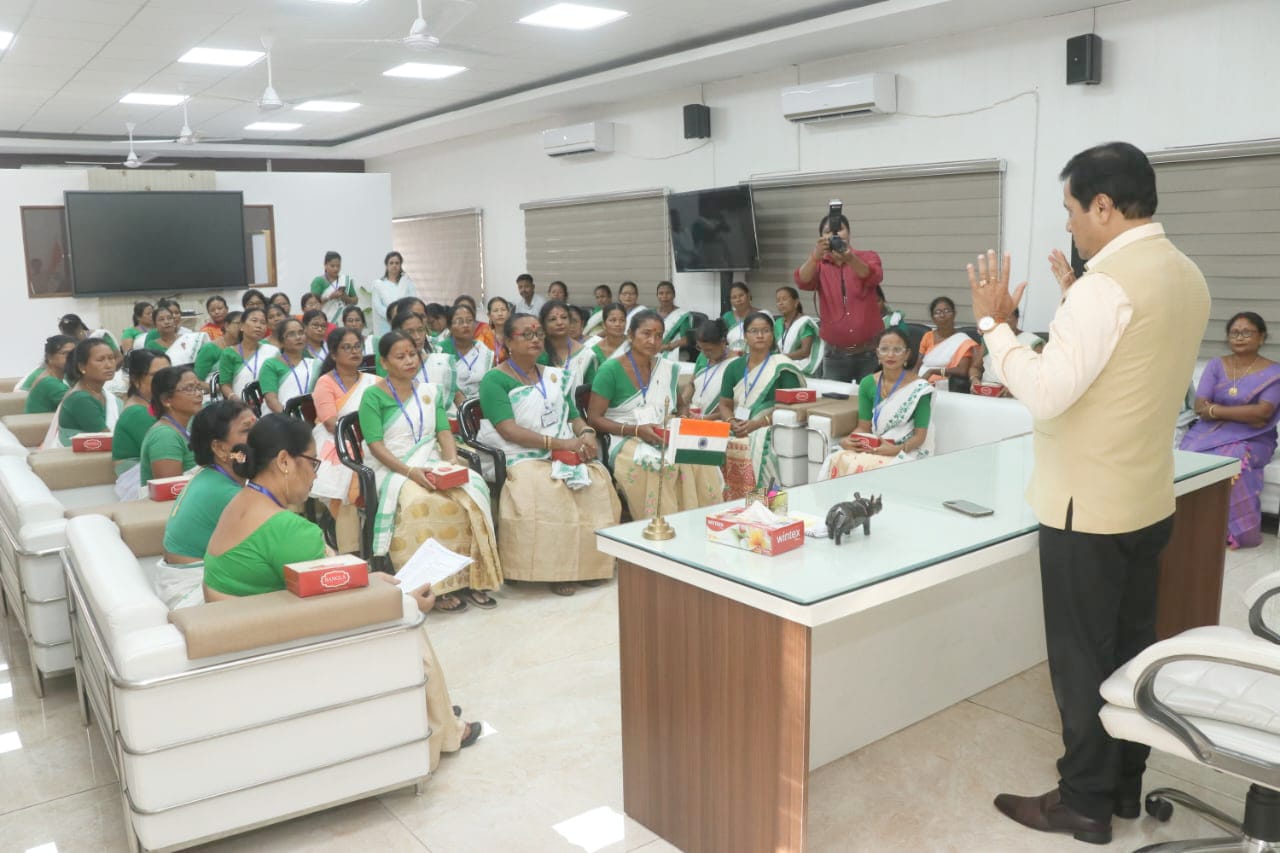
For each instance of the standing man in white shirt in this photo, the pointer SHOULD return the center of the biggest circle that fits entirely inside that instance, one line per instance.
(1104, 393)
(529, 302)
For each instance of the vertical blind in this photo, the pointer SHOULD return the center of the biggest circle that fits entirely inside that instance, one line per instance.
(443, 254)
(593, 240)
(1221, 207)
(925, 222)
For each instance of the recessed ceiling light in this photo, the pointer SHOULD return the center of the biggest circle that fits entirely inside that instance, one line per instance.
(272, 125)
(424, 71)
(327, 106)
(340, 2)
(153, 99)
(5, 38)
(219, 56)
(571, 16)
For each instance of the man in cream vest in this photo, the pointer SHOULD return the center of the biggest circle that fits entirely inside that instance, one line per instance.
(1104, 393)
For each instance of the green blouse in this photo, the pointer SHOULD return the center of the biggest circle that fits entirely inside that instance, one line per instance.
(207, 361)
(378, 410)
(321, 285)
(867, 400)
(735, 370)
(299, 379)
(132, 332)
(196, 512)
(45, 396)
(82, 412)
(613, 383)
(163, 441)
(778, 333)
(131, 429)
(256, 564)
(495, 398)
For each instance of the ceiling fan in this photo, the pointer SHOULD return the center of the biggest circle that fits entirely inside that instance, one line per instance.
(270, 100)
(133, 161)
(186, 136)
(424, 34)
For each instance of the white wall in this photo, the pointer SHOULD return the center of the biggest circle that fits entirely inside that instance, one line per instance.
(314, 212)
(1176, 73)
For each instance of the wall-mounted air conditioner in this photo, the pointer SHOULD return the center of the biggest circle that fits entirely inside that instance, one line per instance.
(866, 94)
(578, 139)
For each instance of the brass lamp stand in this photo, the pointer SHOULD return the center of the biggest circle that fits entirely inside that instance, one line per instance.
(658, 529)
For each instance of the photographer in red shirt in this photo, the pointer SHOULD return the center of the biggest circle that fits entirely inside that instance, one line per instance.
(848, 308)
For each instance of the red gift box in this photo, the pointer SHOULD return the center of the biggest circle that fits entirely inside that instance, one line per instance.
(727, 528)
(568, 457)
(986, 389)
(328, 574)
(867, 438)
(795, 395)
(91, 442)
(166, 488)
(447, 476)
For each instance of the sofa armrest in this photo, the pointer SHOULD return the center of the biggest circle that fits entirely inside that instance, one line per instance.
(13, 402)
(63, 468)
(28, 429)
(141, 523)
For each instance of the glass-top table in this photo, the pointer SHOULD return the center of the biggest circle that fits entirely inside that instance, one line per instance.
(912, 532)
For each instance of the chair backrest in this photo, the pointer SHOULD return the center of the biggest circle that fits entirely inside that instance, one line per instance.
(215, 386)
(581, 396)
(369, 364)
(253, 396)
(972, 332)
(302, 407)
(469, 417)
(690, 348)
(915, 333)
(350, 444)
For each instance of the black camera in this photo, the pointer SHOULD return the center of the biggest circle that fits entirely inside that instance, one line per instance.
(835, 212)
(837, 244)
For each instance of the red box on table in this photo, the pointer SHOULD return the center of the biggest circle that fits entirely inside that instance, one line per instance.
(986, 389)
(166, 488)
(447, 476)
(328, 574)
(91, 442)
(727, 528)
(795, 395)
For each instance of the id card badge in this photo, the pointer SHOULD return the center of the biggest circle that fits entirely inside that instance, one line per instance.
(549, 417)
(742, 413)
(648, 415)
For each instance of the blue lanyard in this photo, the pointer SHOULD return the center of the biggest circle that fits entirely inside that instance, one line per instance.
(423, 368)
(223, 472)
(338, 379)
(185, 434)
(256, 353)
(263, 490)
(746, 371)
(320, 356)
(475, 356)
(542, 388)
(422, 418)
(712, 370)
(875, 408)
(568, 355)
(644, 389)
(293, 371)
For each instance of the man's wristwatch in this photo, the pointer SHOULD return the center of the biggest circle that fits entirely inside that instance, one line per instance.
(987, 324)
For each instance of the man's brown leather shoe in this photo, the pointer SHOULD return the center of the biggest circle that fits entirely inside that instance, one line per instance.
(1047, 813)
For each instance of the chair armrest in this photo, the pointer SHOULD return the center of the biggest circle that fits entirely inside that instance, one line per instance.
(1258, 596)
(499, 462)
(63, 468)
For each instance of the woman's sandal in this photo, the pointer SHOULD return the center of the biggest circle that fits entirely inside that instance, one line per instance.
(443, 603)
(472, 735)
(480, 599)
(565, 588)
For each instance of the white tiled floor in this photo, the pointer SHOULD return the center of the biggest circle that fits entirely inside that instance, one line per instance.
(542, 672)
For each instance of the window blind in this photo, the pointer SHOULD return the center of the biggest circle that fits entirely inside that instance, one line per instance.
(926, 222)
(1221, 207)
(443, 254)
(593, 240)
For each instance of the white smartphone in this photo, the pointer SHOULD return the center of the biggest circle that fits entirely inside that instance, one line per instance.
(969, 508)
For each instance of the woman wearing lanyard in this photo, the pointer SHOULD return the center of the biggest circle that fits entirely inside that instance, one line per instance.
(577, 361)
(436, 367)
(747, 398)
(740, 308)
(797, 334)
(291, 373)
(48, 384)
(241, 364)
(406, 427)
(141, 365)
(561, 494)
(316, 328)
(893, 408)
(176, 397)
(471, 359)
(214, 431)
(702, 397)
(629, 397)
(336, 291)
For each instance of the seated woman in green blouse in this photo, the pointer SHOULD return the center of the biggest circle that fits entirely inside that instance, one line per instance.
(86, 406)
(140, 365)
(214, 431)
(257, 536)
(291, 373)
(49, 385)
(143, 322)
(176, 397)
(211, 352)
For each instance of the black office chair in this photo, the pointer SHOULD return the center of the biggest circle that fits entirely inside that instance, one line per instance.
(690, 348)
(581, 397)
(469, 418)
(915, 333)
(253, 396)
(369, 364)
(302, 407)
(215, 387)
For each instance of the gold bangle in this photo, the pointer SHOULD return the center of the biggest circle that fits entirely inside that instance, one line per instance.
(1212, 406)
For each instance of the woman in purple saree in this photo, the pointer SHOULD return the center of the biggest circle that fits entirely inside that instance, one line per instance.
(1238, 402)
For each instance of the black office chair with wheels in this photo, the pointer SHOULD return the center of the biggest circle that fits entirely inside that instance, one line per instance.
(253, 396)
(469, 418)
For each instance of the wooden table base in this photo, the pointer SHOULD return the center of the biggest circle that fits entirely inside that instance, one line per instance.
(1191, 567)
(715, 718)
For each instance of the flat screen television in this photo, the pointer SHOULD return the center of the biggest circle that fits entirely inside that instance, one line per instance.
(713, 230)
(138, 242)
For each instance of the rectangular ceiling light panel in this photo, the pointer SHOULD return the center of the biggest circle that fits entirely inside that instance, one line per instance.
(571, 16)
(219, 56)
(5, 38)
(424, 71)
(153, 99)
(273, 125)
(327, 106)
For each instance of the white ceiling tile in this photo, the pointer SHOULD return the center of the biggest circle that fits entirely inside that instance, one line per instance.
(93, 11)
(53, 27)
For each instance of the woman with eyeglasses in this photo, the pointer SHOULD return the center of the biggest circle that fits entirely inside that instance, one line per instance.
(405, 424)
(797, 333)
(141, 366)
(48, 383)
(945, 353)
(630, 396)
(701, 397)
(576, 360)
(748, 394)
(735, 318)
(556, 493)
(292, 373)
(258, 534)
(242, 364)
(253, 299)
(894, 406)
(1238, 401)
(87, 405)
(176, 397)
(471, 358)
(353, 318)
(629, 296)
(316, 329)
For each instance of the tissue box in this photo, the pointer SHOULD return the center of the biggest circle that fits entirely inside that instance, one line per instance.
(328, 574)
(447, 476)
(795, 395)
(727, 528)
(91, 442)
(166, 488)
(986, 389)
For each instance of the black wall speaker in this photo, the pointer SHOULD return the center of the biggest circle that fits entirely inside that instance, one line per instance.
(697, 121)
(1084, 59)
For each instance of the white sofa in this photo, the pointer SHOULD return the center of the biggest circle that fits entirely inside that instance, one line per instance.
(211, 747)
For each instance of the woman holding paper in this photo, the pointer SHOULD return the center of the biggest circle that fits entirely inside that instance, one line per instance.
(747, 398)
(406, 428)
(257, 535)
(87, 407)
(630, 396)
(578, 361)
(556, 494)
(336, 291)
(241, 364)
(893, 411)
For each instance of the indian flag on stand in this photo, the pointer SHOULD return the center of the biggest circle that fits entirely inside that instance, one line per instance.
(697, 442)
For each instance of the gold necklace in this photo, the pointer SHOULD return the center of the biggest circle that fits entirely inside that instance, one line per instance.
(1235, 381)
